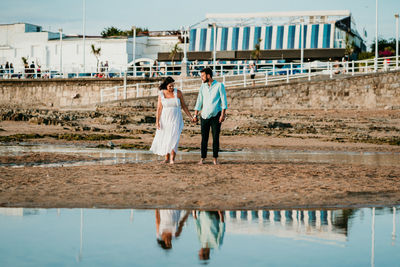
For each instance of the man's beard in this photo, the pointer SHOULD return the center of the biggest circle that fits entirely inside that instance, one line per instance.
(206, 80)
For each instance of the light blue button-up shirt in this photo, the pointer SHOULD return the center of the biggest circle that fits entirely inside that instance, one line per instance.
(211, 99)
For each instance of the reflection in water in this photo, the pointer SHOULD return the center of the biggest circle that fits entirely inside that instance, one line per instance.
(121, 156)
(314, 233)
(394, 226)
(169, 224)
(210, 226)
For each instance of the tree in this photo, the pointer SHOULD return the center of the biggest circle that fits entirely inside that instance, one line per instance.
(24, 60)
(256, 53)
(139, 31)
(349, 49)
(365, 55)
(389, 45)
(113, 31)
(96, 52)
(174, 51)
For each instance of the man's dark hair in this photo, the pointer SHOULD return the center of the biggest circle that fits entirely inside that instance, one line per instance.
(207, 71)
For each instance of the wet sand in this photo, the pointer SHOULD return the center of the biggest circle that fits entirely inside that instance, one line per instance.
(230, 185)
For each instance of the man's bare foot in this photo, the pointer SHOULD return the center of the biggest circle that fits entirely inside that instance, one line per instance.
(171, 162)
(201, 161)
(215, 161)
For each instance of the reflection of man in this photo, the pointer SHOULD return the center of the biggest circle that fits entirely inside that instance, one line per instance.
(210, 227)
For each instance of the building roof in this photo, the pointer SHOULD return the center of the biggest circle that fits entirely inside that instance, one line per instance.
(272, 18)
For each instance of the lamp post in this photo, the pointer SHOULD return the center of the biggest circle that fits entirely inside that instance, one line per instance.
(214, 48)
(184, 34)
(302, 45)
(61, 31)
(397, 40)
(134, 50)
(376, 39)
(84, 35)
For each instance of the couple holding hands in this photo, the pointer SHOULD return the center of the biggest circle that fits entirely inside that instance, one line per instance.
(211, 102)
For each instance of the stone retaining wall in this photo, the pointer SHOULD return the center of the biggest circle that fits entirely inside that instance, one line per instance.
(368, 91)
(57, 93)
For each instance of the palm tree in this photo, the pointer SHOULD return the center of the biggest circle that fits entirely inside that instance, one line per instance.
(96, 53)
(24, 60)
(256, 53)
(349, 46)
(174, 51)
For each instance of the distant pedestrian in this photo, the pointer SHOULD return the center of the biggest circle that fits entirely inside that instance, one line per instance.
(7, 69)
(106, 69)
(38, 72)
(252, 73)
(32, 70)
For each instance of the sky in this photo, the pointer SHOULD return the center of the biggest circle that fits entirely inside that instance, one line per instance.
(172, 14)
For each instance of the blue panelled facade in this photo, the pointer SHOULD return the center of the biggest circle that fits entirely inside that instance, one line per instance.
(272, 37)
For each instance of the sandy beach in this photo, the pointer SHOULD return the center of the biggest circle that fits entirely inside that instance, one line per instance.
(231, 185)
(234, 184)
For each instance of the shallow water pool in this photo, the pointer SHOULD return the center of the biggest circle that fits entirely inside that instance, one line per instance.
(117, 156)
(101, 237)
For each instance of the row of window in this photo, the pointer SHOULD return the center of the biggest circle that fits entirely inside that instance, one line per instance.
(269, 37)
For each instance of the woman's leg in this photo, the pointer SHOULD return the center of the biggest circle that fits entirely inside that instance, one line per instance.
(172, 158)
(166, 158)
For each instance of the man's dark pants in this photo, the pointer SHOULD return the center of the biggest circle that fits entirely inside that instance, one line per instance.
(215, 126)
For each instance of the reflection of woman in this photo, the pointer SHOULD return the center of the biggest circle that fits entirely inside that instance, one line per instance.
(169, 224)
(210, 227)
(169, 121)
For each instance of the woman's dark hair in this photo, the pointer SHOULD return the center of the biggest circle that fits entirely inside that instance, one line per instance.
(207, 71)
(163, 244)
(168, 80)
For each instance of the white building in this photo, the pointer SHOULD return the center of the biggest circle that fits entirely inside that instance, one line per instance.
(42, 47)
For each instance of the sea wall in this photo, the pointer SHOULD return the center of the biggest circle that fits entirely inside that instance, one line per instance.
(368, 91)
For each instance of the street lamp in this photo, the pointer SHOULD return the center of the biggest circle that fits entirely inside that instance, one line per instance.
(215, 46)
(134, 50)
(61, 33)
(214, 26)
(84, 34)
(302, 45)
(184, 34)
(397, 40)
(376, 38)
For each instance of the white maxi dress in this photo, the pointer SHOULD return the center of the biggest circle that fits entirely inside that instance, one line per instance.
(171, 124)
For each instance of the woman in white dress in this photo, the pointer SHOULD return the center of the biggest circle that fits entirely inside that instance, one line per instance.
(169, 121)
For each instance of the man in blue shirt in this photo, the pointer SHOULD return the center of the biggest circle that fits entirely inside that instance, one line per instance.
(212, 103)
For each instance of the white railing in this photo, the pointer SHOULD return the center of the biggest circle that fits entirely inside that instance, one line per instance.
(222, 69)
(268, 74)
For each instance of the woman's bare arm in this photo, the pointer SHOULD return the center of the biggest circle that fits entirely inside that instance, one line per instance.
(158, 114)
(183, 105)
